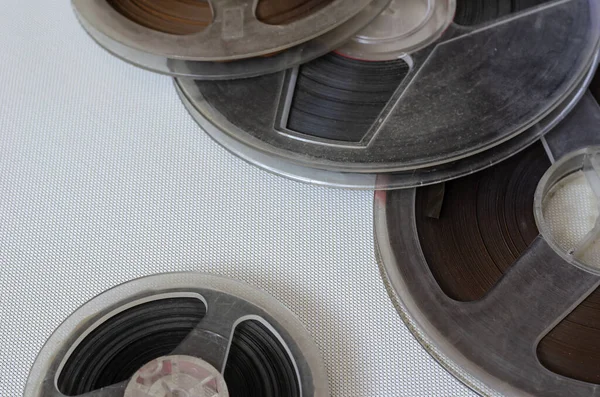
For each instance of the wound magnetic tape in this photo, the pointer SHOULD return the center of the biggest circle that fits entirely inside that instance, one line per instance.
(399, 106)
(223, 39)
(478, 109)
(497, 273)
(180, 335)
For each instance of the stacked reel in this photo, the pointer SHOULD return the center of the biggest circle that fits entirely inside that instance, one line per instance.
(223, 39)
(367, 94)
(180, 335)
(403, 103)
(473, 121)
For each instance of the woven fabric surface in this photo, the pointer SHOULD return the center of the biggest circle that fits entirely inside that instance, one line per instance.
(104, 178)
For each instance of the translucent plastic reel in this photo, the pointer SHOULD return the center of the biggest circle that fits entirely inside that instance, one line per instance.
(404, 27)
(444, 111)
(194, 102)
(235, 32)
(197, 362)
(490, 343)
(250, 66)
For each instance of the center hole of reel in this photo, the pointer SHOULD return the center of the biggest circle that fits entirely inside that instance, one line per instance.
(177, 376)
(567, 208)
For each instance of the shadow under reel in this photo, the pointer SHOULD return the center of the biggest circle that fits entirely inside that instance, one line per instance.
(180, 335)
(406, 104)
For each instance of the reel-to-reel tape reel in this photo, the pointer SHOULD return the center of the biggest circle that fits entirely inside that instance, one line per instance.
(215, 39)
(496, 273)
(180, 335)
(478, 111)
(477, 95)
(413, 93)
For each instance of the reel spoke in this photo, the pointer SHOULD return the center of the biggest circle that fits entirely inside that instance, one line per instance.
(537, 292)
(231, 16)
(532, 297)
(575, 132)
(211, 338)
(474, 14)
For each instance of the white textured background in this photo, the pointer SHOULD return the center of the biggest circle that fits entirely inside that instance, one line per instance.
(104, 177)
